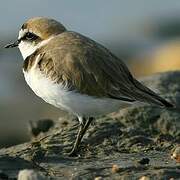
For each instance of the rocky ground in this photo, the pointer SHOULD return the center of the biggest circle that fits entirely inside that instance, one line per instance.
(134, 143)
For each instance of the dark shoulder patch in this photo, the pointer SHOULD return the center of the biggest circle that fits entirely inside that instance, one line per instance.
(29, 61)
(26, 63)
(24, 26)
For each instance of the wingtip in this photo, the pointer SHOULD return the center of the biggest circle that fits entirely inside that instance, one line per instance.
(168, 104)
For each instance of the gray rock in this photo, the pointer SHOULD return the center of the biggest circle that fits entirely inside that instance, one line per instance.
(123, 138)
(39, 126)
(30, 174)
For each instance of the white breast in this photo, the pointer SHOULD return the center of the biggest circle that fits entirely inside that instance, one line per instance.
(59, 96)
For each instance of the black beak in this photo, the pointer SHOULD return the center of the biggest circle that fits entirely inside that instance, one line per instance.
(14, 44)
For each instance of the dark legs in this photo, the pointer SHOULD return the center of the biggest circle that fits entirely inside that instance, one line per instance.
(82, 130)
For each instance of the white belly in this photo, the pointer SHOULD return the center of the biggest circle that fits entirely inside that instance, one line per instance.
(71, 101)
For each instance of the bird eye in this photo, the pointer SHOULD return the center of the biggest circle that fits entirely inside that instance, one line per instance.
(30, 36)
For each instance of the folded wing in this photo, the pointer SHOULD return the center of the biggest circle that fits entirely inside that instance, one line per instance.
(88, 68)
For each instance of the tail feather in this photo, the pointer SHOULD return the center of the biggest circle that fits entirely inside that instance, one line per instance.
(166, 103)
(151, 96)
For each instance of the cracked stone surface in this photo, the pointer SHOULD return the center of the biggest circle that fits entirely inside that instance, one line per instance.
(121, 139)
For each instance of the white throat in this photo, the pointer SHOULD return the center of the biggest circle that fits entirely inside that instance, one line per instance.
(28, 48)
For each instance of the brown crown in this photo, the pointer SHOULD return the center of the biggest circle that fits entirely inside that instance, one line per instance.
(44, 27)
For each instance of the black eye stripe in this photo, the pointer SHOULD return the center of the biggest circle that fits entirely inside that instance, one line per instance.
(30, 36)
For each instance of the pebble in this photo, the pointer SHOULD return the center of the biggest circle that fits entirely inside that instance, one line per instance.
(176, 154)
(144, 178)
(98, 178)
(144, 161)
(115, 168)
(29, 174)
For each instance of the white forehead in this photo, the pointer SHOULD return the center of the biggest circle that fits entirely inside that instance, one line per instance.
(22, 32)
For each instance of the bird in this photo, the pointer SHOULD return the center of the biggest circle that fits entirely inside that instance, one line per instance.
(75, 73)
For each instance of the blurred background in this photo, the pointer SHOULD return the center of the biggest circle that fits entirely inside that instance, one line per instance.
(145, 34)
